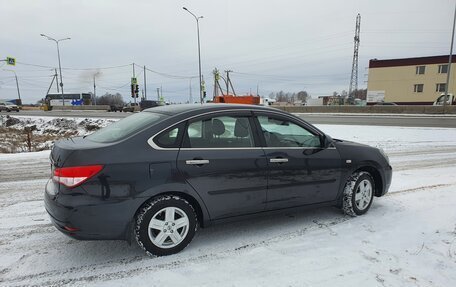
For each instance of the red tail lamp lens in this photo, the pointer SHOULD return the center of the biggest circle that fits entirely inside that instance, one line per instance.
(75, 175)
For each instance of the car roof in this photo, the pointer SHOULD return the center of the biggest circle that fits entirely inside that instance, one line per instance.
(182, 108)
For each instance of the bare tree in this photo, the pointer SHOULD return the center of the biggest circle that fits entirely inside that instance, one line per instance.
(110, 99)
(302, 96)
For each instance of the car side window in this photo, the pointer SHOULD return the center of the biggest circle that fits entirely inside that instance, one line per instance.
(279, 132)
(219, 132)
(170, 138)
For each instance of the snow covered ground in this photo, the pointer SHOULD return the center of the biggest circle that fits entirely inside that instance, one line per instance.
(408, 238)
(44, 131)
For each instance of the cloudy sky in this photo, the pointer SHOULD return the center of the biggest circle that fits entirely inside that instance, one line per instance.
(288, 45)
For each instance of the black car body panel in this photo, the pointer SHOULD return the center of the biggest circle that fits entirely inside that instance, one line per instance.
(238, 181)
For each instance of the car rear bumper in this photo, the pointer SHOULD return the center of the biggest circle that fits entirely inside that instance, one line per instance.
(85, 217)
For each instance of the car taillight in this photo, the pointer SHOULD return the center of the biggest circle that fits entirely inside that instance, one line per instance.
(75, 175)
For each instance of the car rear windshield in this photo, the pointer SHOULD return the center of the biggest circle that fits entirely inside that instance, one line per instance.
(126, 127)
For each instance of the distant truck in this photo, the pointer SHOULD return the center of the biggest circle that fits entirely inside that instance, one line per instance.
(74, 99)
(450, 100)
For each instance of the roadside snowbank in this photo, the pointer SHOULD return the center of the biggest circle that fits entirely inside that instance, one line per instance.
(21, 134)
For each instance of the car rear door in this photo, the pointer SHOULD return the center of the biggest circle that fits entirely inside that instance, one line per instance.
(301, 170)
(221, 160)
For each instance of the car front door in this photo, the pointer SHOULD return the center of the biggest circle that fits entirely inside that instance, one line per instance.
(221, 160)
(301, 170)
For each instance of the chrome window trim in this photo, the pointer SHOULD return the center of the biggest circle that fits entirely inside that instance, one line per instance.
(151, 142)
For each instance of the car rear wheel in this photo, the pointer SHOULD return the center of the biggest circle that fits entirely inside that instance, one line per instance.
(358, 194)
(166, 225)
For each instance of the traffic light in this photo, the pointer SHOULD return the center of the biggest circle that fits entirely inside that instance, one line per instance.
(134, 90)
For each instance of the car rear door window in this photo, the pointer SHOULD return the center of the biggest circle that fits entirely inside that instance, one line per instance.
(279, 132)
(219, 132)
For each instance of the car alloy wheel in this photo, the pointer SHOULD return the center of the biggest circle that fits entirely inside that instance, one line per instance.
(168, 227)
(165, 225)
(363, 194)
(358, 194)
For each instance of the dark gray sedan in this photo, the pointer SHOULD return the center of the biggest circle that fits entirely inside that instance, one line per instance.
(160, 174)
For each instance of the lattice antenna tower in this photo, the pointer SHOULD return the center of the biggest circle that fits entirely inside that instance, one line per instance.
(354, 73)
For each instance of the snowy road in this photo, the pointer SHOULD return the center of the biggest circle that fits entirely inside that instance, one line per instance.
(408, 238)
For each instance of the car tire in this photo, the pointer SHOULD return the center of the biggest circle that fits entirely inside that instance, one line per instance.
(358, 194)
(165, 225)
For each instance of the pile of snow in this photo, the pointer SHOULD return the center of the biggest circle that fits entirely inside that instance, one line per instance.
(21, 134)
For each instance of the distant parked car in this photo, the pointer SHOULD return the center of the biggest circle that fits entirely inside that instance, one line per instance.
(131, 107)
(450, 100)
(8, 107)
(146, 104)
(115, 108)
(158, 175)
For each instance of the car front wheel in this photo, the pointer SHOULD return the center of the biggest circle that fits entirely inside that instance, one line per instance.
(165, 225)
(358, 194)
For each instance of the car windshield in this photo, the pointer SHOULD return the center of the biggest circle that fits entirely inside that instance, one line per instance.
(126, 127)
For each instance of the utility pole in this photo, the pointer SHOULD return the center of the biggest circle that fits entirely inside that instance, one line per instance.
(52, 82)
(449, 63)
(17, 82)
(17, 85)
(57, 80)
(94, 90)
(354, 73)
(145, 84)
(134, 76)
(228, 82)
(158, 94)
(190, 91)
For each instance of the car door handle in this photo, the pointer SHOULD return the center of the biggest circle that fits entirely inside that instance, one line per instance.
(278, 160)
(197, 161)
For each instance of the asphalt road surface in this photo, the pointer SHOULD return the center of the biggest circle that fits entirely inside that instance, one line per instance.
(445, 121)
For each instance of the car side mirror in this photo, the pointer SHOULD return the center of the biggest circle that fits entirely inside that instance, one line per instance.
(326, 140)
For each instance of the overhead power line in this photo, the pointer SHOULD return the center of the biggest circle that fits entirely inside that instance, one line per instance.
(75, 69)
(178, 77)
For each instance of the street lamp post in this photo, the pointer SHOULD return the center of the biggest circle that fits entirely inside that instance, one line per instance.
(60, 67)
(17, 82)
(199, 52)
(449, 63)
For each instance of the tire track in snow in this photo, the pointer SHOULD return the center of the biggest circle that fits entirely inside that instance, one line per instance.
(123, 263)
(420, 188)
(115, 275)
(441, 162)
(440, 150)
(17, 169)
